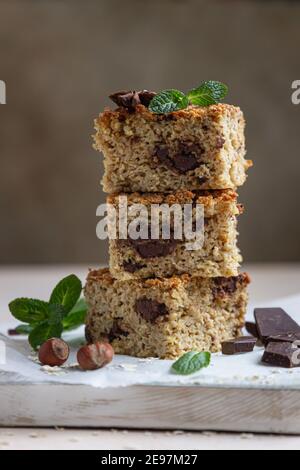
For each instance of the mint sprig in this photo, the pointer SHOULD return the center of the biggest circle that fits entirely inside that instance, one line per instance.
(168, 101)
(208, 93)
(44, 320)
(191, 362)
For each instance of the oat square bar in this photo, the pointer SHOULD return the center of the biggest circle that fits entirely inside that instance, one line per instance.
(217, 256)
(164, 318)
(195, 148)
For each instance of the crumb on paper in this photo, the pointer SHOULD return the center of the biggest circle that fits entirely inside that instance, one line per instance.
(53, 370)
(127, 367)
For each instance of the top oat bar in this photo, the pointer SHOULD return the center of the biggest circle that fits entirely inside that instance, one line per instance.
(195, 148)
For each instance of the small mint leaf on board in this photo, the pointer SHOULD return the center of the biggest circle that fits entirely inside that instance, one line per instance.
(168, 101)
(208, 93)
(43, 332)
(67, 292)
(191, 362)
(29, 310)
(76, 317)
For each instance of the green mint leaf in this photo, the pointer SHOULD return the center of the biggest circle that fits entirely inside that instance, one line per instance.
(67, 292)
(43, 332)
(191, 362)
(24, 329)
(29, 310)
(208, 93)
(168, 101)
(76, 317)
(56, 313)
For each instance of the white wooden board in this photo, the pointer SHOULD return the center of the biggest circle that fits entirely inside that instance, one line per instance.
(151, 407)
(235, 394)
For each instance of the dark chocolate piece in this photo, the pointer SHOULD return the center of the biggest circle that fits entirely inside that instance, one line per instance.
(13, 332)
(132, 267)
(273, 322)
(126, 99)
(226, 285)
(285, 338)
(146, 97)
(150, 309)
(116, 332)
(252, 329)
(281, 355)
(130, 99)
(154, 248)
(183, 162)
(241, 345)
(186, 159)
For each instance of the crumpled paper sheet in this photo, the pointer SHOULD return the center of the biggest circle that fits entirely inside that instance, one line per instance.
(243, 371)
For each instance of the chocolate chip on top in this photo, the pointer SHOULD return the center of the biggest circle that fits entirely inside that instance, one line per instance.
(130, 99)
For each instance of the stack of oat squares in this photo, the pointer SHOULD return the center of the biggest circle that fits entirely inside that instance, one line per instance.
(160, 299)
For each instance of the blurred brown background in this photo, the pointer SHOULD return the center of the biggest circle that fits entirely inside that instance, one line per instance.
(61, 59)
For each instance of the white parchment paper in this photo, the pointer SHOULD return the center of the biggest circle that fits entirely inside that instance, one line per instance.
(243, 371)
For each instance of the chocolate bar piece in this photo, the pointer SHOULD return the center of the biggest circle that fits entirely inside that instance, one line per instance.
(252, 329)
(273, 322)
(241, 345)
(282, 355)
(285, 338)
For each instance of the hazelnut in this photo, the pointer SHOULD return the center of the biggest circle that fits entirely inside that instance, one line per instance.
(94, 356)
(54, 352)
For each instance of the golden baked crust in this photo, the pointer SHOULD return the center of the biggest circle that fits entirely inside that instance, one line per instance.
(103, 276)
(213, 112)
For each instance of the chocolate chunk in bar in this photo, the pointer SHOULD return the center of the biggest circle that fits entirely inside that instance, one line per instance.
(185, 162)
(285, 338)
(150, 310)
(186, 159)
(131, 267)
(225, 286)
(116, 332)
(154, 248)
(282, 355)
(241, 345)
(273, 322)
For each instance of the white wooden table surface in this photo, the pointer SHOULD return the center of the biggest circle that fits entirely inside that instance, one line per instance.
(267, 281)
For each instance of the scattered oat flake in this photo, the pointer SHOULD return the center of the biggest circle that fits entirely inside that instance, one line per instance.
(128, 367)
(52, 370)
(34, 358)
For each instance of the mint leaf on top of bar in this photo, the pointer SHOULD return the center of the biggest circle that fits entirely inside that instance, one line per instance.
(168, 101)
(191, 362)
(208, 93)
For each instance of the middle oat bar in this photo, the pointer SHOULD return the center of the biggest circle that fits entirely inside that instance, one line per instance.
(217, 256)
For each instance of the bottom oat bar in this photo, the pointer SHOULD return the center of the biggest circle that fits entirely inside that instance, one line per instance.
(165, 317)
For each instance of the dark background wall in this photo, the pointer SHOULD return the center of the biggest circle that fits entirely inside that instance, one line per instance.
(61, 59)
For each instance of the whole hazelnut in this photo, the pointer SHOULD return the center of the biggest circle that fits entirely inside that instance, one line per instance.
(54, 352)
(94, 356)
